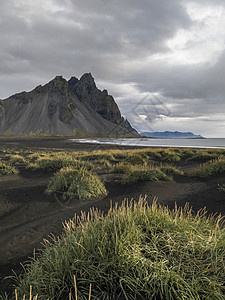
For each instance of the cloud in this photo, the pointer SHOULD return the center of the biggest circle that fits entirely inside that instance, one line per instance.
(49, 36)
(171, 50)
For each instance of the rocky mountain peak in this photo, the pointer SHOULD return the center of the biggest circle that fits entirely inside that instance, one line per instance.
(57, 83)
(88, 80)
(64, 107)
(73, 80)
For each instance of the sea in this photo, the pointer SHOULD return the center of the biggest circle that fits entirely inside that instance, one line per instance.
(215, 143)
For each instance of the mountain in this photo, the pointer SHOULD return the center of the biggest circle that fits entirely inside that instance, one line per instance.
(171, 135)
(66, 108)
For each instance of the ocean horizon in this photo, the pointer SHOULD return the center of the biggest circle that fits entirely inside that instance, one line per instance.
(214, 143)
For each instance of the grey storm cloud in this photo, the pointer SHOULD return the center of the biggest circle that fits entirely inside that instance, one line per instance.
(114, 40)
(87, 33)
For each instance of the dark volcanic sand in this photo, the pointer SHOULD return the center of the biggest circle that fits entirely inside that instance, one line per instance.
(27, 214)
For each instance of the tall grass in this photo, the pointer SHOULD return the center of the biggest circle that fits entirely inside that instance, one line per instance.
(146, 173)
(76, 183)
(55, 163)
(170, 169)
(7, 169)
(150, 174)
(135, 159)
(136, 250)
(210, 168)
(123, 168)
(98, 155)
(203, 155)
(16, 158)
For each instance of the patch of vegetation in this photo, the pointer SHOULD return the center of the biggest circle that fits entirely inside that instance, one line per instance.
(101, 164)
(135, 251)
(186, 153)
(123, 168)
(202, 155)
(7, 169)
(151, 174)
(170, 170)
(17, 158)
(135, 160)
(221, 188)
(98, 155)
(76, 183)
(153, 154)
(53, 163)
(167, 169)
(210, 168)
(168, 155)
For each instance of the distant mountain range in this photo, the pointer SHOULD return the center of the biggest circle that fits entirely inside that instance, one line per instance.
(171, 135)
(67, 108)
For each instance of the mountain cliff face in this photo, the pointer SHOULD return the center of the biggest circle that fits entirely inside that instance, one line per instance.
(61, 107)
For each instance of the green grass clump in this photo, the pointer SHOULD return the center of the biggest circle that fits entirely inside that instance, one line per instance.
(151, 174)
(202, 155)
(221, 188)
(135, 251)
(147, 172)
(17, 158)
(32, 157)
(123, 168)
(100, 164)
(98, 155)
(170, 156)
(56, 163)
(171, 170)
(135, 160)
(7, 169)
(76, 183)
(153, 154)
(210, 168)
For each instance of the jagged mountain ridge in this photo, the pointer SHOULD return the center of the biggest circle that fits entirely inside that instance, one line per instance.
(171, 135)
(66, 108)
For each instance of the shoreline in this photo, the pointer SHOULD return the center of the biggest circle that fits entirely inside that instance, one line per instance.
(91, 144)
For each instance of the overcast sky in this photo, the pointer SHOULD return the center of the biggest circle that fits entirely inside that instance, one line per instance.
(162, 60)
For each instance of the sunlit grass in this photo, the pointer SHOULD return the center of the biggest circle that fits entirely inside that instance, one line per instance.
(7, 169)
(134, 250)
(54, 163)
(150, 174)
(210, 168)
(138, 173)
(76, 183)
(135, 159)
(170, 169)
(17, 158)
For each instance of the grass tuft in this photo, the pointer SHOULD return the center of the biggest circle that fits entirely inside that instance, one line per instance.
(135, 160)
(210, 168)
(154, 174)
(53, 163)
(170, 170)
(7, 169)
(135, 251)
(76, 183)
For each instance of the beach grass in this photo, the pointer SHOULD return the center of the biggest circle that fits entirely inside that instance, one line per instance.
(210, 168)
(150, 174)
(76, 183)
(7, 169)
(135, 250)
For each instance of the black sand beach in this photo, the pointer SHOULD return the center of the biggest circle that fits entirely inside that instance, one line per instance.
(27, 214)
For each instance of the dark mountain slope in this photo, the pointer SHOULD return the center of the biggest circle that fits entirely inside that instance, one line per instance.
(55, 109)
